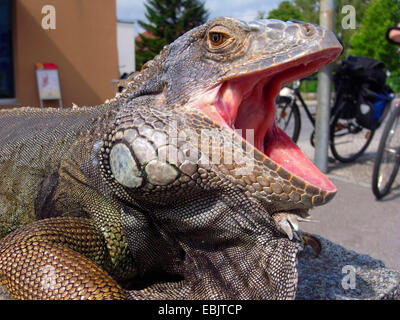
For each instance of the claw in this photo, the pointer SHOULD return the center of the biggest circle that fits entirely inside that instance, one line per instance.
(292, 219)
(284, 224)
(313, 242)
(297, 235)
(288, 223)
(287, 228)
(306, 220)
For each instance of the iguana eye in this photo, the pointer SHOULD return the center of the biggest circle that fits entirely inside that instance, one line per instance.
(217, 39)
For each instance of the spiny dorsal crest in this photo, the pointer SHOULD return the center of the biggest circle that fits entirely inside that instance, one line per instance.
(134, 82)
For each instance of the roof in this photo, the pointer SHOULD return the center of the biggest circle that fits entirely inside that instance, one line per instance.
(146, 34)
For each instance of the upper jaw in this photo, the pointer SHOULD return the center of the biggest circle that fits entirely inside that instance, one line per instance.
(275, 44)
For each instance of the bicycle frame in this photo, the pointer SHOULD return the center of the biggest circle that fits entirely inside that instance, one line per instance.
(299, 97)
(334, 108)
(303, 103)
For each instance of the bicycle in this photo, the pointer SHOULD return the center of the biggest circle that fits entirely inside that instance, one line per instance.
(387, 161)
(350, 134)
(288, 112)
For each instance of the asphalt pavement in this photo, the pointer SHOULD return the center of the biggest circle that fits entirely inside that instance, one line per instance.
(354, 218)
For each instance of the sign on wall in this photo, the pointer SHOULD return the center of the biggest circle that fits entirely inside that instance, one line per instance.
(48, 82)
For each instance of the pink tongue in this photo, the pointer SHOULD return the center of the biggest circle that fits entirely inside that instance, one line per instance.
(286, 153)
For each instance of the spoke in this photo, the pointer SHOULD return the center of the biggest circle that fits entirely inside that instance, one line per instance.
(391, 150)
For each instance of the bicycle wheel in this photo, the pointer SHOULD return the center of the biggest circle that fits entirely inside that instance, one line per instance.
(288, 118)
(387, 160)
(349, 140)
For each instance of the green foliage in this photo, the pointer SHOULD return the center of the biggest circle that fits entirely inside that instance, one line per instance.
(309, 9)
(370, 40)
(309, 86)
(261, 14)
(394, 82)
(345, 35)
(167, 20)
(286, 11)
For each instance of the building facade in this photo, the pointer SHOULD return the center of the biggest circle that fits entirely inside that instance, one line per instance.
(126, 47)
(80, 37)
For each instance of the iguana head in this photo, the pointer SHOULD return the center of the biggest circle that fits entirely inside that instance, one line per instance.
(196, 149)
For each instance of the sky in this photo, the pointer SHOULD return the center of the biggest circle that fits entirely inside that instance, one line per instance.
(240, 9)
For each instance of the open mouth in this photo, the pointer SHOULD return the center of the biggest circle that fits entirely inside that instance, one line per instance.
(248, 102)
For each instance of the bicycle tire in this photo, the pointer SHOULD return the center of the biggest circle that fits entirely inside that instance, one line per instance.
(351, 147)
(292, 129)
(382, 190)
(312, 138)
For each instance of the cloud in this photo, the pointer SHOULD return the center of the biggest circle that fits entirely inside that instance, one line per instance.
(128, 9)
(240, 9)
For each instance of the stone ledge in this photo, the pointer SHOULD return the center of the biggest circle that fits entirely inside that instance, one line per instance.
(320, 278)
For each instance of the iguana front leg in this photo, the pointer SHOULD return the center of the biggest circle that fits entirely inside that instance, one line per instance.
(57, 258)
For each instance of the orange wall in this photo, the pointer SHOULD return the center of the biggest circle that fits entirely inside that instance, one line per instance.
(83, 45)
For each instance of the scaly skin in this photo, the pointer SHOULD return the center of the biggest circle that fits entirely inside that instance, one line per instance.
(130, 195)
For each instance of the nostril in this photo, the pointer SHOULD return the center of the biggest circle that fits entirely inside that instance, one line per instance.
(308, 30)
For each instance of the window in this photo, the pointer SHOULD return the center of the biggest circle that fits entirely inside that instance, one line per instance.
(6, 51)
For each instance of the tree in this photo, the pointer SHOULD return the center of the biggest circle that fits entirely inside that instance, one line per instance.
(167, 20)
(261, 14)
(309, 9)
(286, 11)
(369, 40)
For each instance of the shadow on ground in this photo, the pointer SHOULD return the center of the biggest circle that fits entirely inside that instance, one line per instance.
(342, 274)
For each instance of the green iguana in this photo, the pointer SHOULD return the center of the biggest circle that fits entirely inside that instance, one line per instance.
(181, 187)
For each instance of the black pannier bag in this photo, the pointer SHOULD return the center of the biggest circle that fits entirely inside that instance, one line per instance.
(367, 96)
(368, 70)
(372, 106)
